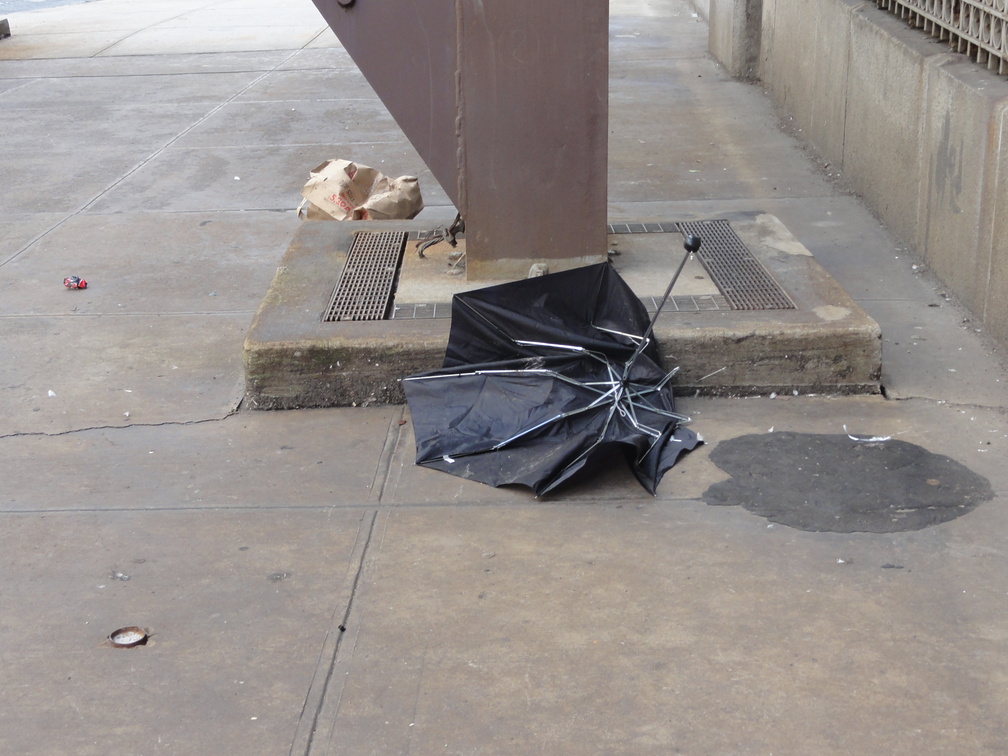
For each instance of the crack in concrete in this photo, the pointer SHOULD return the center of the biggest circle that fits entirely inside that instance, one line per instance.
(316, 701)
(128, 426)
(992, 408)
(383, 470)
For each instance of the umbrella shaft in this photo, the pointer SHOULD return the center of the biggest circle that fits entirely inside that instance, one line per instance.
(654, 319)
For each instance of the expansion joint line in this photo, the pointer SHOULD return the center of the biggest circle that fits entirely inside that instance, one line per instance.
(152, 156)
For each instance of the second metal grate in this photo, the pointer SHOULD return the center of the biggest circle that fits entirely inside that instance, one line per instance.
(733, 268)
(367, 283)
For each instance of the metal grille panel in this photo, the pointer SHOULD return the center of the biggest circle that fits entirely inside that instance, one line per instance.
(733, 268)
(977, 28)
(367, 284)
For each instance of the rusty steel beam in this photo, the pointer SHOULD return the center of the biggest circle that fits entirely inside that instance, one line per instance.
(507, 103)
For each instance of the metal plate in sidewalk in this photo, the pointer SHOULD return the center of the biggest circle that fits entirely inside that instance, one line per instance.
(737, 273)
(367, 283)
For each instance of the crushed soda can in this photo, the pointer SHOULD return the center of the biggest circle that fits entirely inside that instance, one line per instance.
(74, 282)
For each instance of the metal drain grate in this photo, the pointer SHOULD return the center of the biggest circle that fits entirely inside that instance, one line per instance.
(687, 303)
(743, 282)
(738, 274)
(367, 283)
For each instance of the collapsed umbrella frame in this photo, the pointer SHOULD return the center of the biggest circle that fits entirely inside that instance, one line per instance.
(541, 408)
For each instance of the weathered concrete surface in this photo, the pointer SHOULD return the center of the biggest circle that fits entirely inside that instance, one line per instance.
(964, 172)
(206, 680)
(610, 620)
(810, 97)
(889, 68)
(734, 40)
(294, 359)
(913, 127)
(995, 308)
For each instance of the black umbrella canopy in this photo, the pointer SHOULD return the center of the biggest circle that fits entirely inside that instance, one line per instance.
(541, 378)
(590, 307)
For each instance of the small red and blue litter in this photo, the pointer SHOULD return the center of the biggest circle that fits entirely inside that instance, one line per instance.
(74, 282)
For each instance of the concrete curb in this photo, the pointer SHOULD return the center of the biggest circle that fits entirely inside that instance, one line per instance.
(292, 359)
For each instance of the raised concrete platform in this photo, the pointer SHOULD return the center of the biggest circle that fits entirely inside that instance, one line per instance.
(826, 343)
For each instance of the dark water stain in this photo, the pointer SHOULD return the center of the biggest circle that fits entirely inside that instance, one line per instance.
(830, 483)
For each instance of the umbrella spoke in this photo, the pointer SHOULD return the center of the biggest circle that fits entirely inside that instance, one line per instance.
(680, 419)
(634, 338)
(661, 411)
(615, 387)
(599, 440)
(555, 419)
(592, 386)
(627, 409)
(562, 347)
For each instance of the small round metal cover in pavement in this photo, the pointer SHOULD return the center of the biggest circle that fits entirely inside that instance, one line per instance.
(839, 484)
(127, 637)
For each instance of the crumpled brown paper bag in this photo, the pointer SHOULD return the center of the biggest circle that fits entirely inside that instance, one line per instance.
(342, 190)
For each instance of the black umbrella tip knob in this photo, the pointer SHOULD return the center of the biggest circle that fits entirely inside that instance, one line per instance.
(691, 243)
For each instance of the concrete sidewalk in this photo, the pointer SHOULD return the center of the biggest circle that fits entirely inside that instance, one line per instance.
(306, 587)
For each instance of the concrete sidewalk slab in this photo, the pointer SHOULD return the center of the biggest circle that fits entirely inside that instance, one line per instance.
(244, 461)
(146, 342)
(326, 58)
(106, 90)
(600, 619)
(74, 374)
(311, 81)
(633, 35)
(931, 360)
(56, 182)
(237, 614)
(279, 124)
(121, 28)
(818, 634)
(227, 180)
(164, 263)
(71, 44)
(18, 233)
(144, 65)
(682, 130)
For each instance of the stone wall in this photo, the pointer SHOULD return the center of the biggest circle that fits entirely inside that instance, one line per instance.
(915, 128)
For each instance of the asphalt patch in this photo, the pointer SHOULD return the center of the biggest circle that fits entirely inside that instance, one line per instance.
(831, 483)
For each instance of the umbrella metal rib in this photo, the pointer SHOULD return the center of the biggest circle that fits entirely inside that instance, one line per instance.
(623, 396)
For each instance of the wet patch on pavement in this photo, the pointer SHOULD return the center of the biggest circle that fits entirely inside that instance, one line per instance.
(833, 483)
